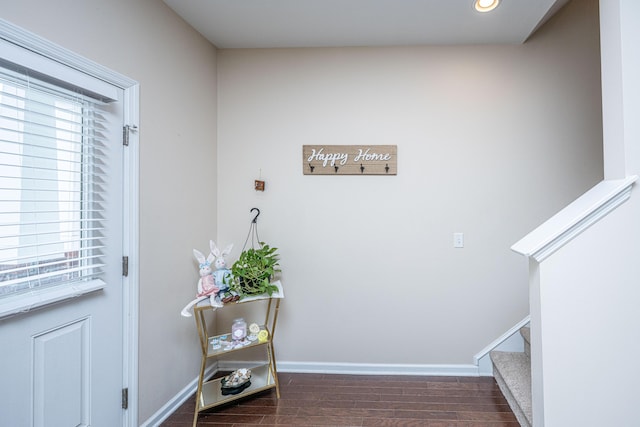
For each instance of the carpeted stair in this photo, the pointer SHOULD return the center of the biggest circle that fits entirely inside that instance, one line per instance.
(512, 371)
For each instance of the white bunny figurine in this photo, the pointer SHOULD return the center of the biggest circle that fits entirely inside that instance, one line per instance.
(206, 284)
(222, 274)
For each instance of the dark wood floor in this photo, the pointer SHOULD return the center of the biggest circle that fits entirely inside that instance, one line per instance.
(357, 400)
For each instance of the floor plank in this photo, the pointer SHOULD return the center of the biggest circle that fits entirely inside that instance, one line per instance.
(362, 401)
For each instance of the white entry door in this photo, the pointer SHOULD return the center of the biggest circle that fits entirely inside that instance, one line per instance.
(61, 247)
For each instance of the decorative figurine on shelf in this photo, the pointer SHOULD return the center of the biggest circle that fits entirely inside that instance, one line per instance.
(222, 274)
(235, 382)
(211, 284)
(206, 285)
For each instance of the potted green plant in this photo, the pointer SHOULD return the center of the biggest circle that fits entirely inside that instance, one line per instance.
(251, 274)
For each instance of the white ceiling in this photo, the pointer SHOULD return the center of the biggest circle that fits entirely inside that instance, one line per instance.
(325, 23)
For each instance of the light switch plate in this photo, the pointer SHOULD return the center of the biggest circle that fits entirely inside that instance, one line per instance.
(458, 240)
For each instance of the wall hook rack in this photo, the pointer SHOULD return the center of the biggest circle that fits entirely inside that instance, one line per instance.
(340, 160)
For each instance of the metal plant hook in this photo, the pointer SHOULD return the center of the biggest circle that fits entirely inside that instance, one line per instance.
(255, 218)
(253, 231)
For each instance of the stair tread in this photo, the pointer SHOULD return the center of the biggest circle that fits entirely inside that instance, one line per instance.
(514, 368)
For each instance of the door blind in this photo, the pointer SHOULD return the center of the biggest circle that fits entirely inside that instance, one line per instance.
(51, 185)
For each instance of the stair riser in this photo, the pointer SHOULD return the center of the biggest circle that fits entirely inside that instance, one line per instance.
(504, 388)
(512, 372)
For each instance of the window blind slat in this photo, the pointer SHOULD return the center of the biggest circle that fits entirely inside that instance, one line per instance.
(78, 223)
(81, 175)
(49, 275)
(44, 234)
(73, 147)
(34, 137)
(65, 165)
(60, 262)
(42, 192)
(45, 237)
(89, 212)
(89, 246)
(42, 130)
(73, 121)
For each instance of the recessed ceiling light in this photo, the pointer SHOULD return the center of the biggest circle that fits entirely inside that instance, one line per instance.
(486, 5)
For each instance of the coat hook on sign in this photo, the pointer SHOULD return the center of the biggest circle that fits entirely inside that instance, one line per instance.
(255, 218)
(361, 168)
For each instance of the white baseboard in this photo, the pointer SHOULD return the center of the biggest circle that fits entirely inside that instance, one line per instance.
(364, 368)
(172, 405)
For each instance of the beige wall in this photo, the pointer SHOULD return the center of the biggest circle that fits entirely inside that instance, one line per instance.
(491, 142)
(175, 67)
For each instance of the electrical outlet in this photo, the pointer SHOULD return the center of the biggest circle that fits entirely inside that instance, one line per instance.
(458, 240)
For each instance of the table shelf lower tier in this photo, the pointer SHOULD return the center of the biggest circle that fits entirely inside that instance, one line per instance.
(211, 352)
(261, 379)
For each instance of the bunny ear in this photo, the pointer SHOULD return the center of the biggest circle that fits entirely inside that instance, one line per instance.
(214, 249)
(227, 250)
(210, 258)
(199, 256)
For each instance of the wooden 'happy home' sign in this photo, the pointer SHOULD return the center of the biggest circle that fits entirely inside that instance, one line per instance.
(349, 159)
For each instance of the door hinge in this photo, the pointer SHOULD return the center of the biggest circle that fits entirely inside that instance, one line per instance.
(126, 131)
(125, 266)
(125, 398)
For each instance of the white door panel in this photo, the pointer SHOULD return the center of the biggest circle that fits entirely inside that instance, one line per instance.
(62, 365)
(61, 377)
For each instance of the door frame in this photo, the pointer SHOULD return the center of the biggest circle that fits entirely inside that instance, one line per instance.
(130, 297)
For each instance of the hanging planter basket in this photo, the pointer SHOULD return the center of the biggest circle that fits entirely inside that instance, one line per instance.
(256, 267)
